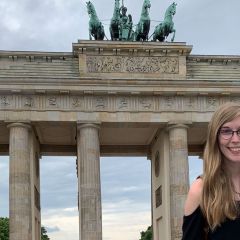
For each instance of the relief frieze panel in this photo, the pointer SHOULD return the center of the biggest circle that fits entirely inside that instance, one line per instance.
(145, 103)
(212, 103)
(6, 101)
(76, 102)
(109, 103)
(126, 64)
(123, 103)
(101, 103)
(52, 102)
(235, 99)
(28, 101)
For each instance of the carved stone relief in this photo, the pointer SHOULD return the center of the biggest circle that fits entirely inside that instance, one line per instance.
(157, 164)
(158, 196)
(101, 103)
(5, 101)
(146, 103)
(76, 102)
(52, 101)
(123, 103)
(37, 164)
(109, 103)
(212, 102)
(37, 198)
(121, 64)
(28, 102)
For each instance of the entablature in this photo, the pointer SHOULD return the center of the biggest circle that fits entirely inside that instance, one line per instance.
(130, 48)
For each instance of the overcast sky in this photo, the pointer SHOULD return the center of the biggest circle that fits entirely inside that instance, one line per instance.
(211, 27)
(53, 25)
(125, 195)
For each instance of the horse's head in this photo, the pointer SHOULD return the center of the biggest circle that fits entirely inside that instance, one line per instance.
(172, 9)
(147, 4)
(90, 8)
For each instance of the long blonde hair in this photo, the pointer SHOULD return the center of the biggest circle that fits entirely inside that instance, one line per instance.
(218, 201)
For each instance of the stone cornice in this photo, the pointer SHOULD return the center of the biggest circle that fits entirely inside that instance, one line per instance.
(225, 59)
(14, 55)
(96, 86)
(130, 48)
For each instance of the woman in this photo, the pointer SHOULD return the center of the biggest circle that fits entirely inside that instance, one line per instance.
(212, 208)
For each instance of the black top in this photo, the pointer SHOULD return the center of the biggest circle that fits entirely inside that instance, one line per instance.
(194, 223)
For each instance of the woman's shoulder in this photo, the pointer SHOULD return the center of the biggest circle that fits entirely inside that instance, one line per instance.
(193, 197)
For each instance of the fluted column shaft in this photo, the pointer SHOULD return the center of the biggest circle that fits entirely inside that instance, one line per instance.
(90, 210)
(19, 183)
(179, 176)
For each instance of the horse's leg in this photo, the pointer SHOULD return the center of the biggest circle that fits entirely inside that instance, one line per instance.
(141, 28)
(90, 32)
(137, 33)
(90, 35)
(154, 37)
(102, 32)
(111, 32)
(174, 31)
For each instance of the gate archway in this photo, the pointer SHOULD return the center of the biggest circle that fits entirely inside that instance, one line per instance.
(109, 98)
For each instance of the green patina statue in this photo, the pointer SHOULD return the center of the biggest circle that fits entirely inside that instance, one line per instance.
(96, 28)
(162, 31)
(125, 27)
(115, 21)
(121, 24)
(143, 26)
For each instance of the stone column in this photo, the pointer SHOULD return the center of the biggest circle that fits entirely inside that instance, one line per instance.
(90, 210)
(19, 183)
(179, 176)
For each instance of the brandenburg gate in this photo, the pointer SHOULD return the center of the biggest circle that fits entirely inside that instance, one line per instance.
(106, 98)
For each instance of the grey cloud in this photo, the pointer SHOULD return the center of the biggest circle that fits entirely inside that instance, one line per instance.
(53, 229)
(120, 174)
(41, 25)
(58, 182)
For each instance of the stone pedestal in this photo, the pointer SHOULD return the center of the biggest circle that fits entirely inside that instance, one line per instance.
(19, 186)
(90, 212)
(178, 179)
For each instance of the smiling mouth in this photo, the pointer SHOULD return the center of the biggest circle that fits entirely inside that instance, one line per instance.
(234, 149)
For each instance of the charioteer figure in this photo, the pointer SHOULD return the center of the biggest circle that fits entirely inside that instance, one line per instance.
(125, 27)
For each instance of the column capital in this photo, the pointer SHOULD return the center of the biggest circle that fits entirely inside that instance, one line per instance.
(81, 125)
(174, 124)
(19, 124)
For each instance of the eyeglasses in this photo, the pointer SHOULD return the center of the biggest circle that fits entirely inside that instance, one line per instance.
(227, 133)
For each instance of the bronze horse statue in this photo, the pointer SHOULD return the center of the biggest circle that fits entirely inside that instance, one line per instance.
(143, 26)
(162, 30)
(115, 21)
(96, 28)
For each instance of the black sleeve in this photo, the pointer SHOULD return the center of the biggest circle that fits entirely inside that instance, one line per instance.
(193, 226)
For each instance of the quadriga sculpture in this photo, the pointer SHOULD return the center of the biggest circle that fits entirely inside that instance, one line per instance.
(162, 30)
(96, 28)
